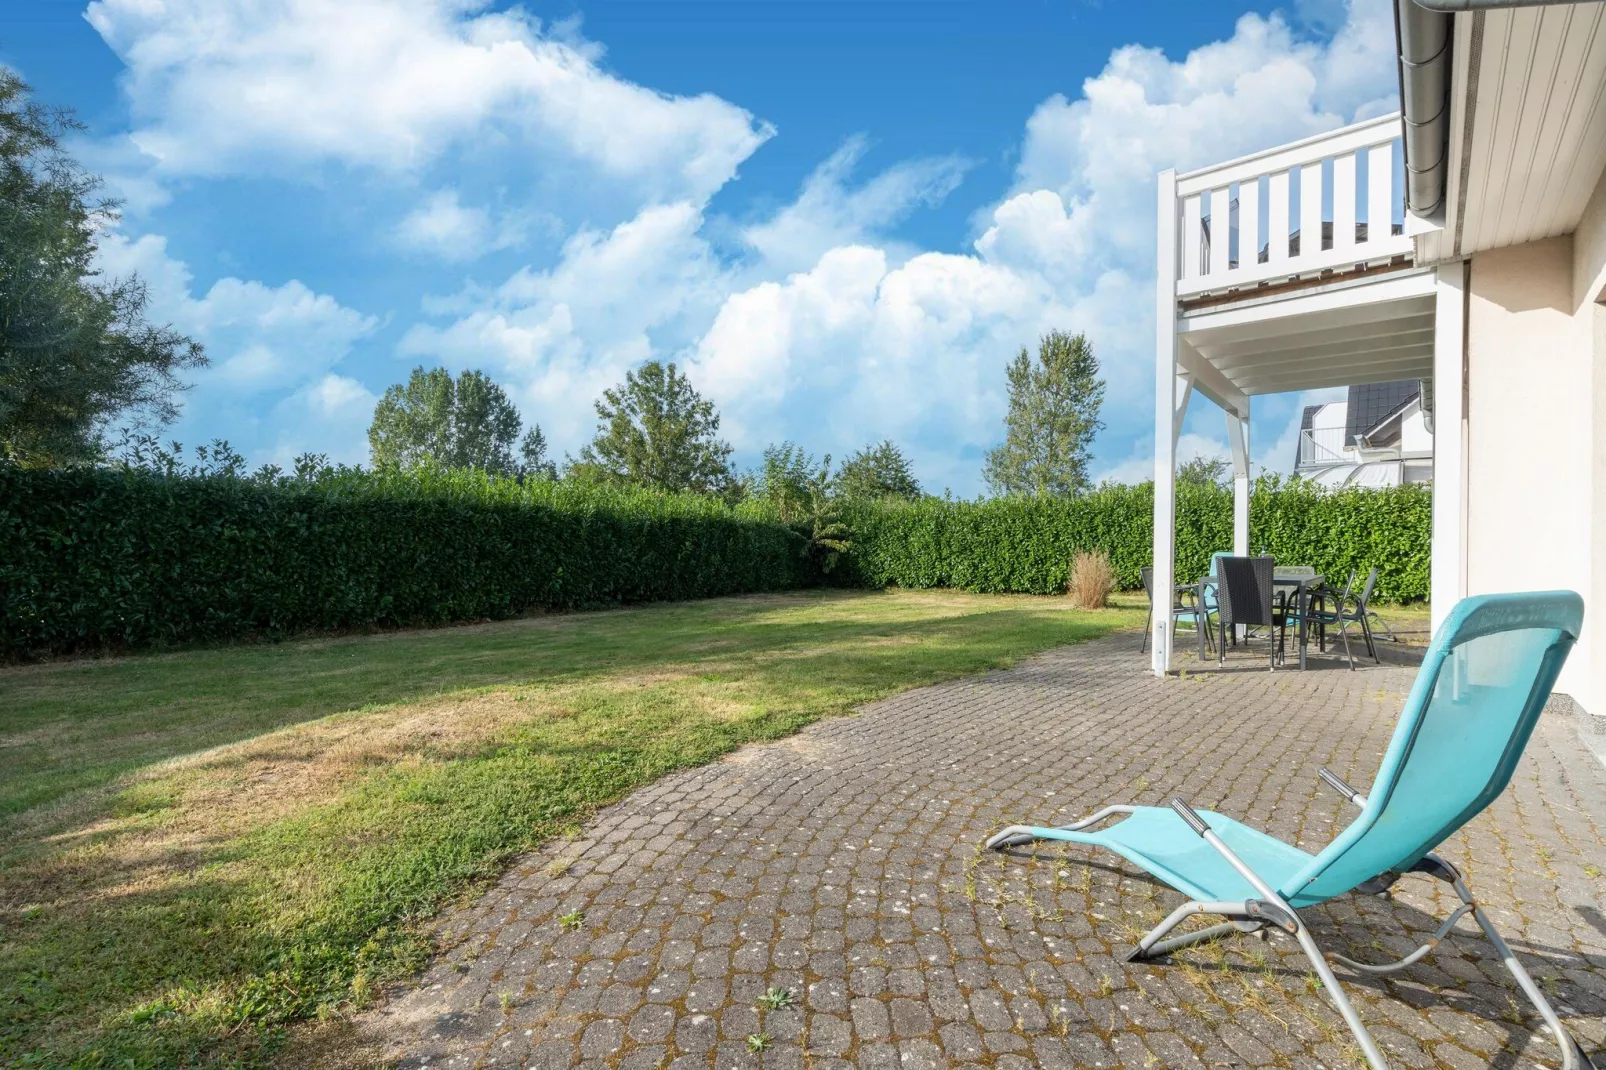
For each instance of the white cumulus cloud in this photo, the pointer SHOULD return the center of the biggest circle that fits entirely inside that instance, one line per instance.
(263, 342)
(829, 211)
(558, 337)
(866, 343)
(220, 88)
(815, 323)
(445, 227)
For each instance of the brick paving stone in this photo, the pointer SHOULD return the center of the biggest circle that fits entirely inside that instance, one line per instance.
(843, 864)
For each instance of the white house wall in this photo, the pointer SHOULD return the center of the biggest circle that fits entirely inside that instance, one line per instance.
(1589, 290)
(1536, 432)
(1415, 438)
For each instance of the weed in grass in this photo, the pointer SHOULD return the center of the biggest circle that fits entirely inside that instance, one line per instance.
(505, 999)
(1511, 1012)
(758, 1042)
(776, 998)
(970, 873)
(1592, 870)
(573, 921)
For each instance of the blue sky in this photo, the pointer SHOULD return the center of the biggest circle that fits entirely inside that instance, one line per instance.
(841, 218)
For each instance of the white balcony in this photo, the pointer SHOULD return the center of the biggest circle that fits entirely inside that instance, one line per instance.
(1328, 204)
(1289, 270)
(1320, 447)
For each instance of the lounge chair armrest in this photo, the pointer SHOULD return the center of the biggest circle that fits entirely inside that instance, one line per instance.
(1197, 823)
(1334, 781)
(1185, 812)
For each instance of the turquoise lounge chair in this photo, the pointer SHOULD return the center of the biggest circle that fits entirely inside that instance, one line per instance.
(1477, 696)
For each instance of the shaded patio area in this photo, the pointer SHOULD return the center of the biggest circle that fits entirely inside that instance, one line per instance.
(843, 865)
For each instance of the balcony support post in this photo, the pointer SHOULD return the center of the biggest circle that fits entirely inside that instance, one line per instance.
(1238, 440)
(1167, 423)
(1448, 577)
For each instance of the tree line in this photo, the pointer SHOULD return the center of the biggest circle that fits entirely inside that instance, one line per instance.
(654, 429)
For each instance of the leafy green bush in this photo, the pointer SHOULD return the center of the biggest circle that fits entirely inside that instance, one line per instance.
(102, 558)
(94, 559)
(1026, 544)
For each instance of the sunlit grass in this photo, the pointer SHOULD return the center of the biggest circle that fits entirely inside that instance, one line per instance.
(198, 848)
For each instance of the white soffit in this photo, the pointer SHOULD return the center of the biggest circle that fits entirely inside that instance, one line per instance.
(1375, 333)
(1528, 140)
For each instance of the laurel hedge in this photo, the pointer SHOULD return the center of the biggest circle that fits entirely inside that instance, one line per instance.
(1026, 544)
(94, 559)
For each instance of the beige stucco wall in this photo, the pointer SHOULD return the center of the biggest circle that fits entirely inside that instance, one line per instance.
(1528, 417)
(1536, 430)
(1589, 290)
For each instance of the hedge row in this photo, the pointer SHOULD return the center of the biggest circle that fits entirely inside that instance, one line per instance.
(1026, 544)
(94, 559)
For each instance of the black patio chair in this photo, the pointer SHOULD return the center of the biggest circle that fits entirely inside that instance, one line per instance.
(1247, 596)
(1184, 606)
(1346, 609)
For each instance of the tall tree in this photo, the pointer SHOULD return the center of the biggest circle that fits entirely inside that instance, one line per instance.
(1204, 471)
(1053, 415)
(784, 477)
(467, 422)
(76, 353)
(533, 460)
(879, 471)
(654, 429)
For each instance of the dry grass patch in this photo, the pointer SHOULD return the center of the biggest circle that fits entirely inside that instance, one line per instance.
(183, 909)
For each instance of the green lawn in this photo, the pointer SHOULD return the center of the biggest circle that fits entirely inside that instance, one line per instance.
(199, 848)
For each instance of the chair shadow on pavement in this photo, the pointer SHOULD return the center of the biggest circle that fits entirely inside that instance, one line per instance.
(1462, 974)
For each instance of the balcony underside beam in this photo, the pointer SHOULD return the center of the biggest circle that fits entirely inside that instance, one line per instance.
(1236, 365)
(1208, 380)
(1420, 324)
(1362, 369)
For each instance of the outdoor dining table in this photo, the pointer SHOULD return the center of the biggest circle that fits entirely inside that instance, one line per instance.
(1299, 598)
(1302, 584)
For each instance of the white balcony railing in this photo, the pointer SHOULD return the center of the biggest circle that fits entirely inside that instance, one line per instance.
(1320, 447)
(1327, 203)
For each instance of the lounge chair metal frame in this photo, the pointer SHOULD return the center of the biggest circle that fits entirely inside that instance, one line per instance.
(1330, 874)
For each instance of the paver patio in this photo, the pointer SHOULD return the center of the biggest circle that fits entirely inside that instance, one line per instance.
(843, 865)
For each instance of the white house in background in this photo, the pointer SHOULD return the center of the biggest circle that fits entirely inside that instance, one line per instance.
(1379, 436)
(1464, 246)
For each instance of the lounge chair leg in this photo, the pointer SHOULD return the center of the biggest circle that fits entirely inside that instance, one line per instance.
(1161, 948)
(1346, 1010)
(1152, 947)
(1572, 1056)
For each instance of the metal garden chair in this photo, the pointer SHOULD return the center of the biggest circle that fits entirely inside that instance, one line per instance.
(1477, 697)
(1182, 611)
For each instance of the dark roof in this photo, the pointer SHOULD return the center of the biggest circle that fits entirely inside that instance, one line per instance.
(1373, 403)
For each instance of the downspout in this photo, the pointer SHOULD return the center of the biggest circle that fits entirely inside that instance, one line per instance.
(1423, 37)
(1450, 7)
(1422, 32)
